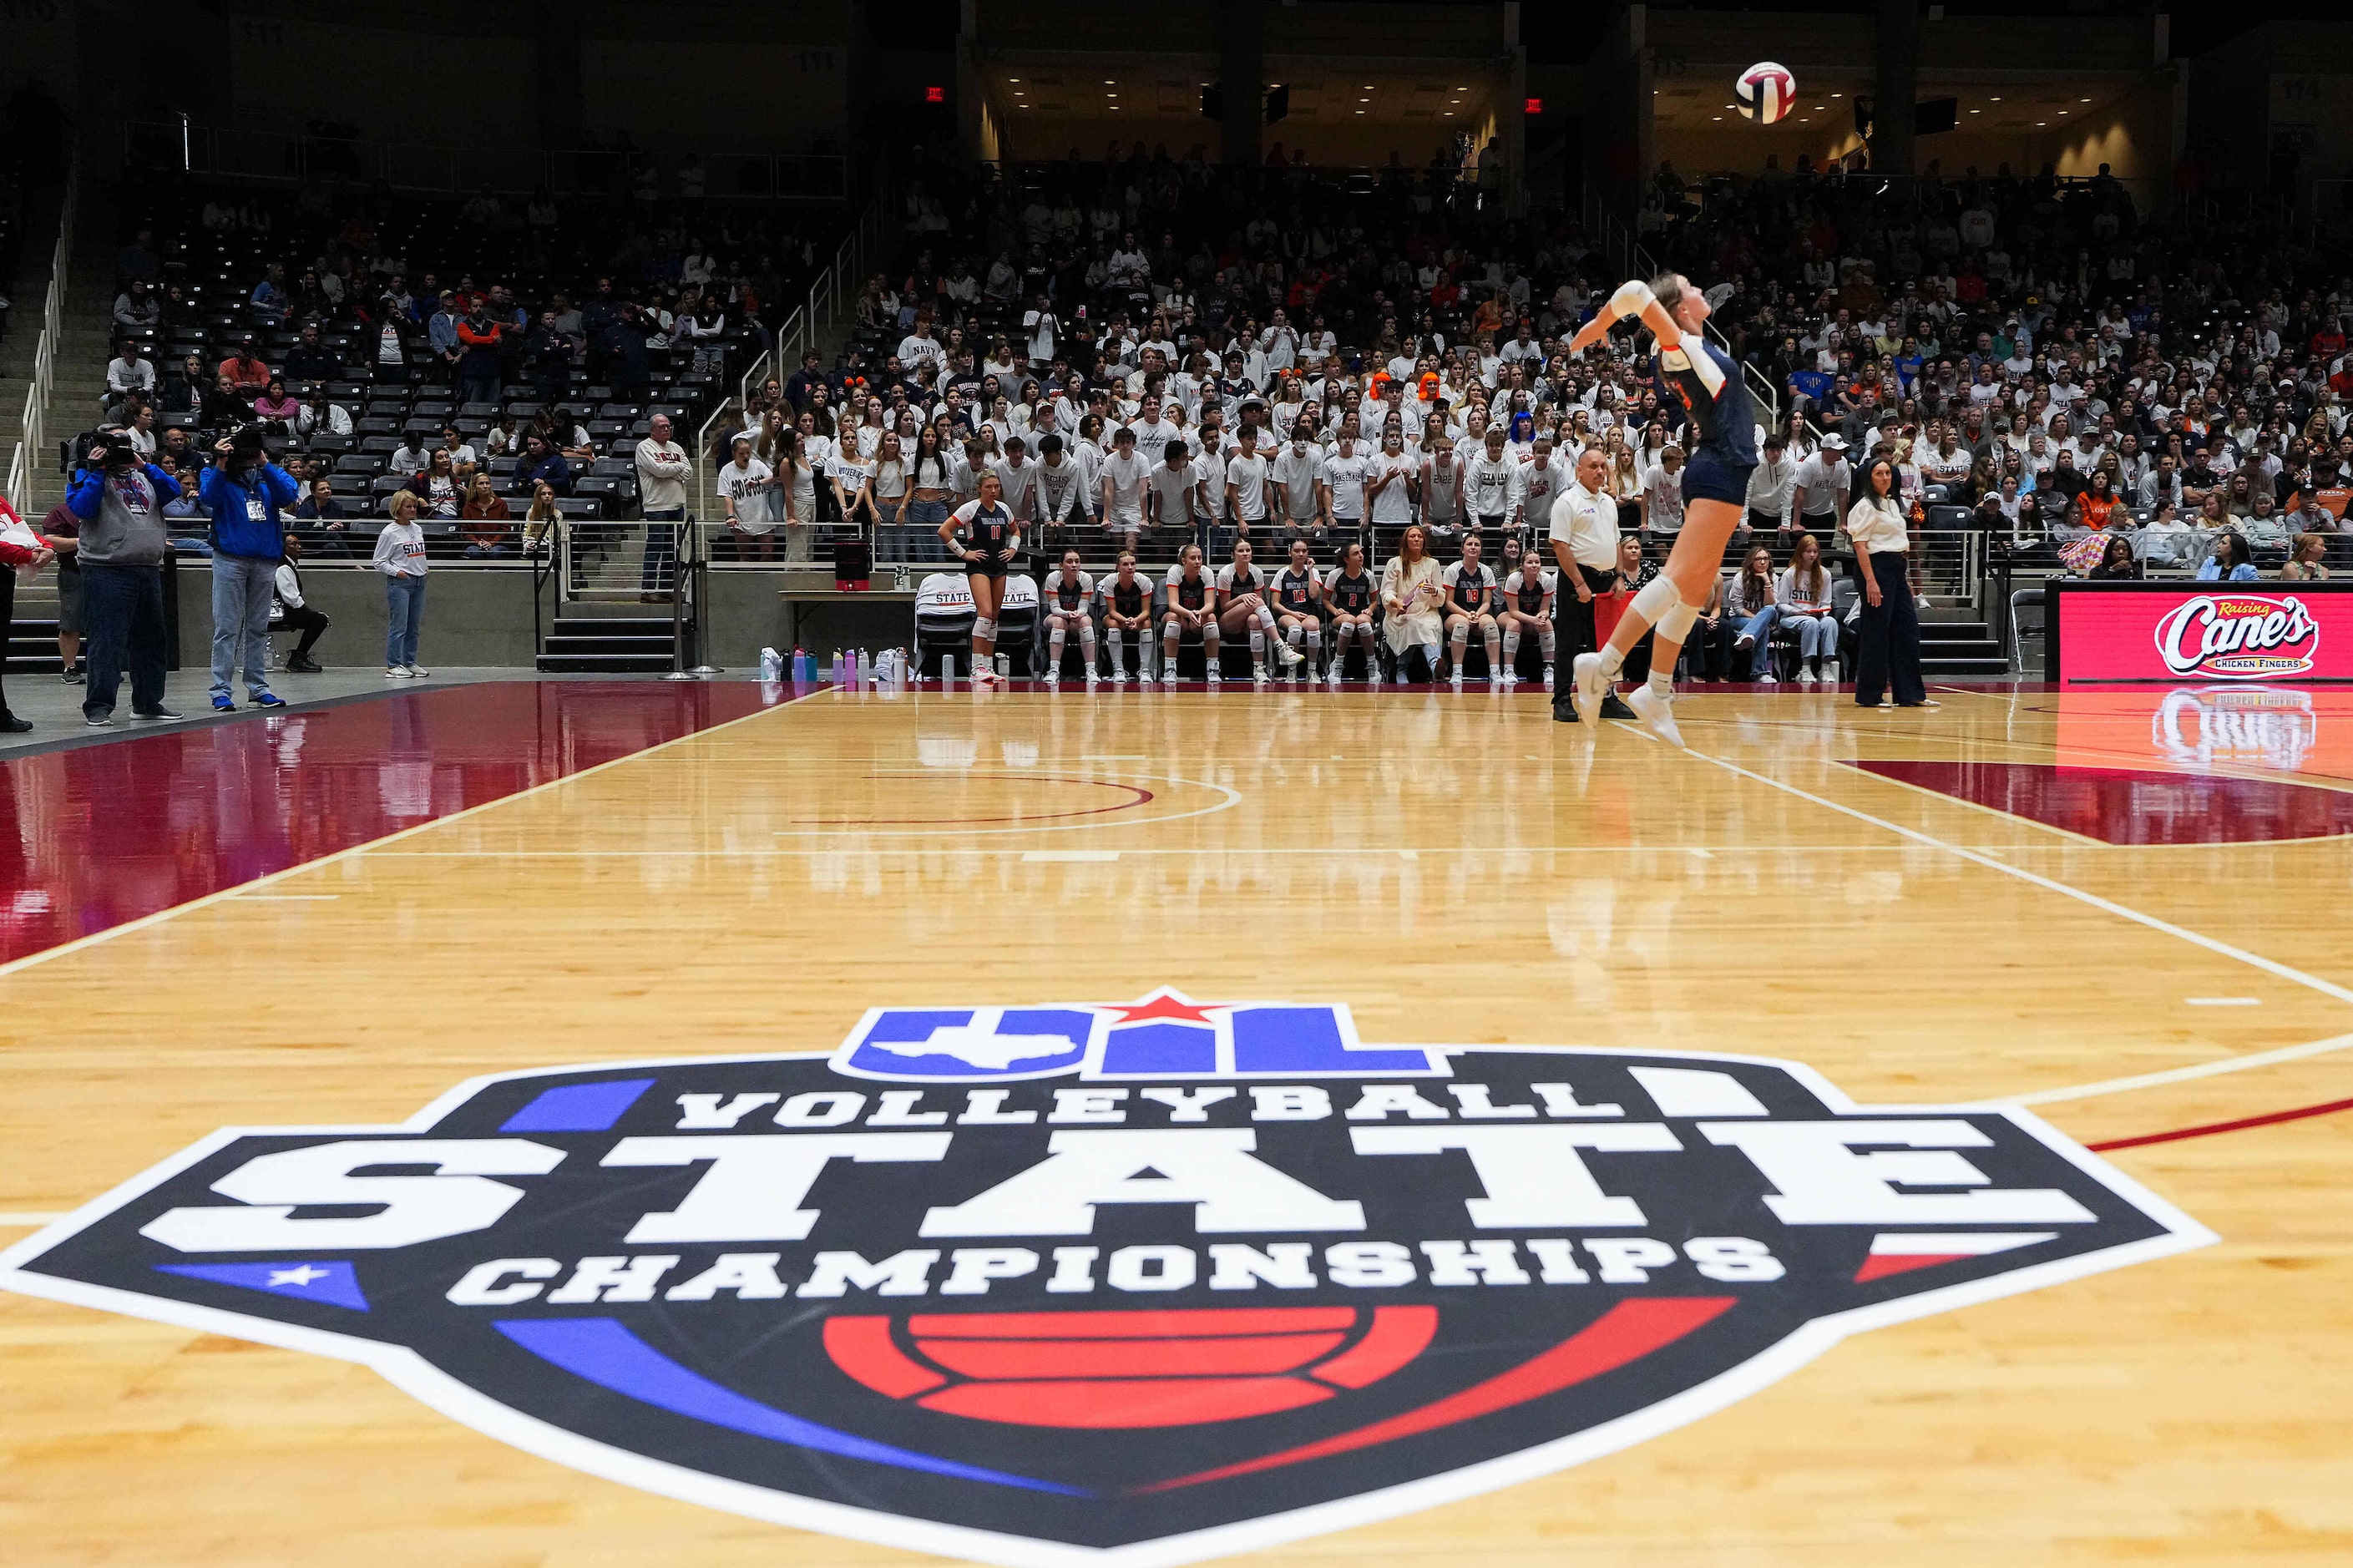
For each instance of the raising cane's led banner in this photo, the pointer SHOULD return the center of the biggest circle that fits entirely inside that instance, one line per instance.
(2199, 632)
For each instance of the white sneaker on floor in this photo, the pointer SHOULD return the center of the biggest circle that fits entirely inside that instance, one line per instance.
(1119, 676)
(416, 674)
(1292, 657)
(1169, 676)
(1804, 677)
(1509, 678)
(1547, 677)
(1655, 710)
(1768, 678)
(1217, 676)
(396, 672)
(1592, 685)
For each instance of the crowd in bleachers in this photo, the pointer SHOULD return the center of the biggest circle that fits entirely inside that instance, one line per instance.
(2041, 363)
(502, 360)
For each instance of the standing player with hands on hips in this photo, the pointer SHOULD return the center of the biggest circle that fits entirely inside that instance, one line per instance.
(1722, 446)
(990, 537)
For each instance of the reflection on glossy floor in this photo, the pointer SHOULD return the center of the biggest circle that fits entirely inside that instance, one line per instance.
(1984, 914)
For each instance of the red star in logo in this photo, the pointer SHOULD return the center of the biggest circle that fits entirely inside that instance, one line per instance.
(1162, 1003)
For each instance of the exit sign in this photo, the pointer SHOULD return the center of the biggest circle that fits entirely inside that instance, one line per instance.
(936, 95)
(1536, 106)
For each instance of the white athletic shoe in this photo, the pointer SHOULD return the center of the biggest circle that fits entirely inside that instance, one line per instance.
(1768, 678)
(1335, 677)
(1217, 676)
(1805, 675)
(1168, 675)
(1657, 712)
(1257, 674)
(1509, 678)
(1592, 685)
(1495, 683)
(1456, 677)
(1547, 677)
(1292, 657)
(1119, 676)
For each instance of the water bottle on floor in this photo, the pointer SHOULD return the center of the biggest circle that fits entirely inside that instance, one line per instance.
(772, 667)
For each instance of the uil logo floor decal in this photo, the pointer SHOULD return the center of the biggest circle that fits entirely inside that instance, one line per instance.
(1141, 1284)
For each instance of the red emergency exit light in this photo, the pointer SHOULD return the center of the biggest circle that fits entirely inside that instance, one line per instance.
(936, 95)
(1536, 106)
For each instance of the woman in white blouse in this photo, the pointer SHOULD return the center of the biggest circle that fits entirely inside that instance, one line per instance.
(1411, 595)
(1889, 657)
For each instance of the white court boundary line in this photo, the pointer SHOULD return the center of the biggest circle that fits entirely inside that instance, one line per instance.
(2106, 906)
(244, 889)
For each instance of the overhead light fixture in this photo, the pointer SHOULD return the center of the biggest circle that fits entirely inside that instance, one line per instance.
(1977, 111)
(1360, 111)
(1993, 100)
(2083, 100)
(1838, 95)
(1109, 82)
(1715, 117)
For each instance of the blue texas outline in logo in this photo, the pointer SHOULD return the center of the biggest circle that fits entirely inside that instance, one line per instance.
(1142, 1284)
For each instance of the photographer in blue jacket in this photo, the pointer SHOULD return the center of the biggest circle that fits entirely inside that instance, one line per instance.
(247, 495)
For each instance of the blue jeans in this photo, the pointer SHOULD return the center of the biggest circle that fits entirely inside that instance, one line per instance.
(1817, 637)
(662, 548)
(123, 616)
(1760, 626)
(241, 616)
(404, 613)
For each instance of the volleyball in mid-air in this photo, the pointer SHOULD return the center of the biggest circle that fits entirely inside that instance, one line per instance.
(1764, 92)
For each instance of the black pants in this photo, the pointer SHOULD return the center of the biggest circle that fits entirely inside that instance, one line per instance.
(309, 622)
(1888, 656)
(122, 619)
(1572, 628)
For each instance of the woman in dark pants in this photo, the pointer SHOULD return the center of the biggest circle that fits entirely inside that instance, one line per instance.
(1889, 654)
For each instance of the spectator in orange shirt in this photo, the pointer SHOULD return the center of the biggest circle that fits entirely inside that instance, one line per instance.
(245, 371)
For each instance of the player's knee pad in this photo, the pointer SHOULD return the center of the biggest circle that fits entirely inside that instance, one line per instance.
(1511, 639)
(1658, 599)
(1676, 624)
(1258, 642)
(1461, 634)
(1087, 633)
(1313, 637)
(1296, 634)
(984, 628)
(1544, 639)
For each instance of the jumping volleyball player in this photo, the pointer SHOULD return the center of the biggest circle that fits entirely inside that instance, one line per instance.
(1722, 442)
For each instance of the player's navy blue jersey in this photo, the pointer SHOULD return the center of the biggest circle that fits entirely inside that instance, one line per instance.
(1352, 595)
(1295, 591)
(1720, 416)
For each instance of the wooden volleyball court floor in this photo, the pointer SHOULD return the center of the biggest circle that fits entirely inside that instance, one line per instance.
(2122, 912)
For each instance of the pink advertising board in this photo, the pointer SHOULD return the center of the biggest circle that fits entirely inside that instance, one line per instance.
(2194, 633)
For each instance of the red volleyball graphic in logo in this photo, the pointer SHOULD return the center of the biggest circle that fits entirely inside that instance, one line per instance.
(1175, 1368)
(2238, 637)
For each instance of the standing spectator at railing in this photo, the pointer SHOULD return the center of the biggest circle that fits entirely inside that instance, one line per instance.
(663, 469)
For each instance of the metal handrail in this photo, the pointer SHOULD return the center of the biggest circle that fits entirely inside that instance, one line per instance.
(21, 466)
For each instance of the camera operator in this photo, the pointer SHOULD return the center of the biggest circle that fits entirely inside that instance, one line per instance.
(244, 492)
(120, 501)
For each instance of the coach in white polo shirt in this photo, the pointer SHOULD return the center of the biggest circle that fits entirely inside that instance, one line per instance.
(1583, 536)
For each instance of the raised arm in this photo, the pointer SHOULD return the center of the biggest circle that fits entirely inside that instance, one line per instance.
(1633, 299)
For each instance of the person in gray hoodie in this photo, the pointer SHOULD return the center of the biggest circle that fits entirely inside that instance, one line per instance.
(120, 501)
